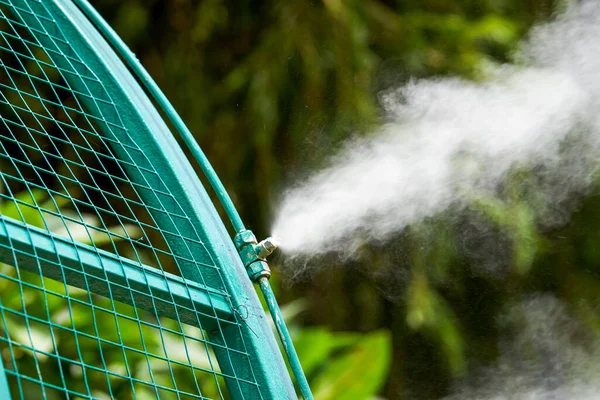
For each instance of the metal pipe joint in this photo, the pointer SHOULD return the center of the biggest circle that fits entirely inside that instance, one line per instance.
(254, 254)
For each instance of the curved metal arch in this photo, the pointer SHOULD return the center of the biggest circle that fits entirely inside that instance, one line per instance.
(157, 147)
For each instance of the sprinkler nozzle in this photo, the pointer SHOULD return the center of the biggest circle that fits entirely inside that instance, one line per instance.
(253, 254)
(266, 247)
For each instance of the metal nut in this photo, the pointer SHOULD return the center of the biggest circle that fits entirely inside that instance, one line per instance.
(244, 238)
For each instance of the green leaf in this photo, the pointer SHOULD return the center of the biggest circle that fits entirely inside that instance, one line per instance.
(358, 373)
(427, 311)
(496, 28)
(315, 345)
(24, 207)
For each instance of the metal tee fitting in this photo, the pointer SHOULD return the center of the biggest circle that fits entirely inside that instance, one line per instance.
(253, 254)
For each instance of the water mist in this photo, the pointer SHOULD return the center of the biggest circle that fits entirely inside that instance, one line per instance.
(447, 139)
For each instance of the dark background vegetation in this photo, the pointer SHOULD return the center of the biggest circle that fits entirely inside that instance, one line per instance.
(270, 88)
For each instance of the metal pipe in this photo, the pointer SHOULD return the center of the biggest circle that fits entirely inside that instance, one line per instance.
(286, 339)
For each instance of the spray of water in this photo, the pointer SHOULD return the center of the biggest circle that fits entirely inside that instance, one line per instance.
(447, 139)
(551, 357)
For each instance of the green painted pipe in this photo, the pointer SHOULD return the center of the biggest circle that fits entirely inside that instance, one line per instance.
(4, 388)
(286, 339)
(253, 256)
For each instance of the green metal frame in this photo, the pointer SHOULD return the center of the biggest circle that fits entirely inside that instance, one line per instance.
(4, 388)
(109, 275)
(152, 136)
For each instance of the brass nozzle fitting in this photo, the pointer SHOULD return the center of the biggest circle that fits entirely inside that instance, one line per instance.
(265, 247)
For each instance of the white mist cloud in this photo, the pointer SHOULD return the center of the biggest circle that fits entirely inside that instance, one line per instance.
(549, 356)
(449, 137)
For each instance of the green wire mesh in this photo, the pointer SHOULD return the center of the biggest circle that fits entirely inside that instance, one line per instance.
(65, 177)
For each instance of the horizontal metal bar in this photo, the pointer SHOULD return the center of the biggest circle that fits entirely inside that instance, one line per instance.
(109, 275)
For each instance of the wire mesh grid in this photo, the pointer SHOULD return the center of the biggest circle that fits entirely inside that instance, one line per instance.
(64, 178)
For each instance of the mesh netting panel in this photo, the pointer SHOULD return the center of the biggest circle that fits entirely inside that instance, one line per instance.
(84, 252)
